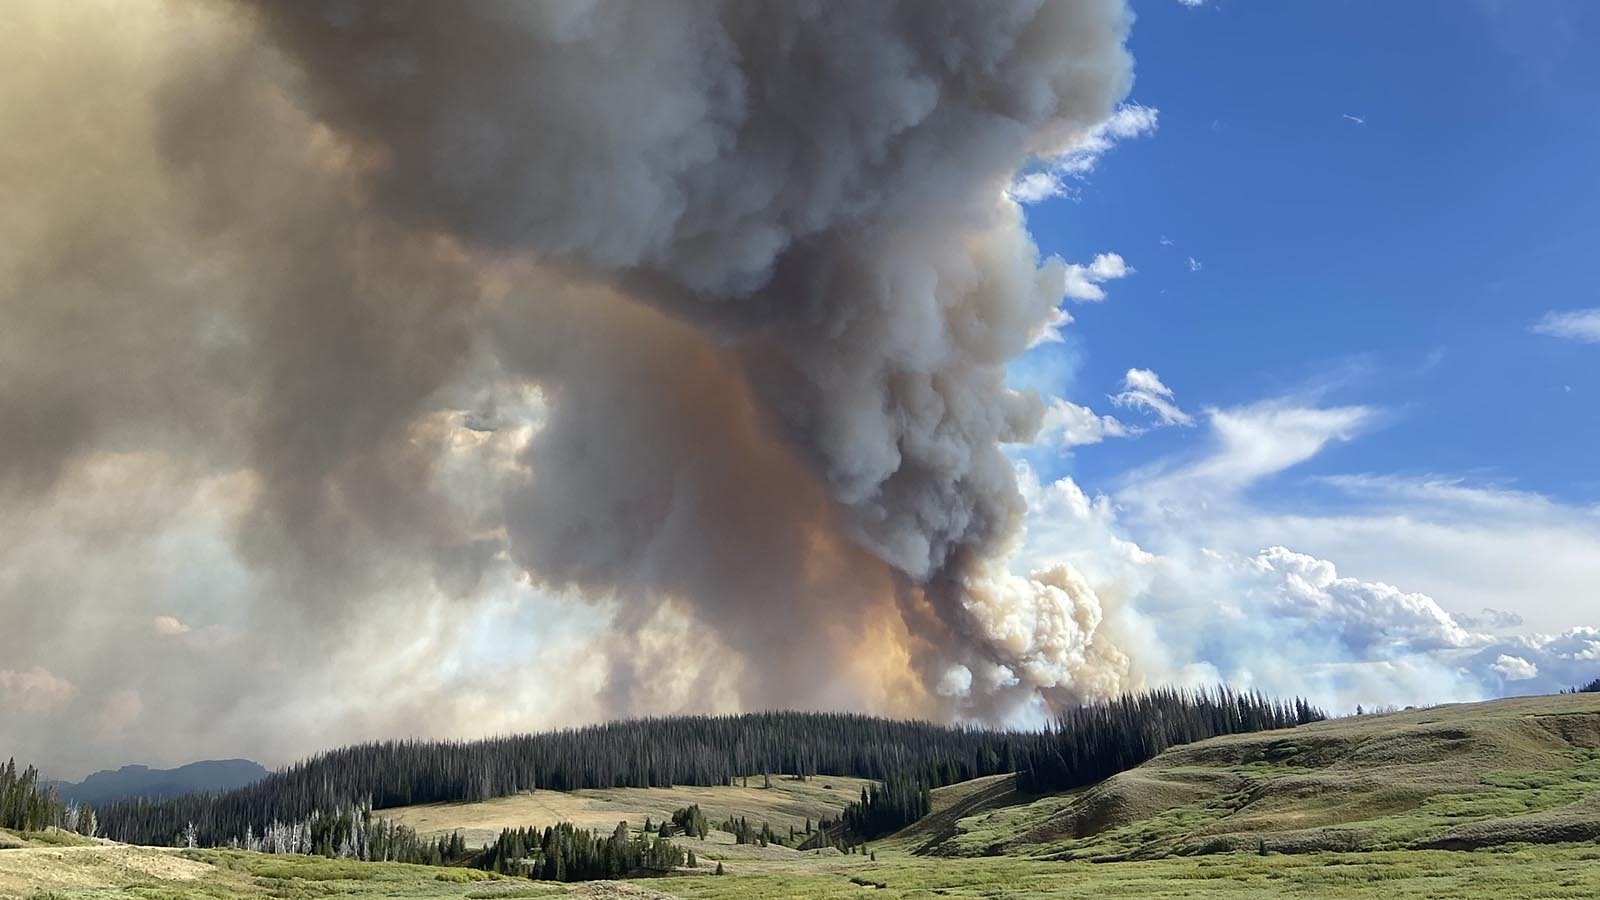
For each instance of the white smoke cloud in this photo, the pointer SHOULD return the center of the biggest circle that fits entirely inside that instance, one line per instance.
(168, 626)
(1080, 154)
(34, 693)
(332, 330)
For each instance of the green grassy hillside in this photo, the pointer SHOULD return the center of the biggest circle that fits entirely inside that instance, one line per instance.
(1454, 777)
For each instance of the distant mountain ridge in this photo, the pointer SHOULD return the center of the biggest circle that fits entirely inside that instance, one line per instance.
(142, 781)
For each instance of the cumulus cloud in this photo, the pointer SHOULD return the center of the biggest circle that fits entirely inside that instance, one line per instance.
(1143, 389)
(1068, 424)
(1581, 325)
(35, 692)
(1514, 668)
(1370, 619)
(1348, 604)
(1083, 283)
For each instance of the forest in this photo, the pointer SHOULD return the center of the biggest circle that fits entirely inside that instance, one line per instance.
(696, 750)
(330, 794)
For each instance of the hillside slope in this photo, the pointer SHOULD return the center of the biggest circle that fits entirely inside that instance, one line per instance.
(1452, 777)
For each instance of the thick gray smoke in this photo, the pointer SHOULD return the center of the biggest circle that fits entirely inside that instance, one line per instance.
(753, 264)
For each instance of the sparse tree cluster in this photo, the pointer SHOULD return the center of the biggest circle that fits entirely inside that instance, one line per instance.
(349, 833)
(688, 821)
(1093, 742)
(898, 802)
(26, 805)
(1592, 687)
(565, 853)
(745, 833)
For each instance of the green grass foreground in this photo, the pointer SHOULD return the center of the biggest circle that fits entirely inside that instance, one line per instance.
(1507, 873)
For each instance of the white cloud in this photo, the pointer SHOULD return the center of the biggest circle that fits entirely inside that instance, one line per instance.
(1266, 438)
(1067, 424)
(1371, 619)
(168, 626)
(1491, 619)
(1473, 547)
(1356, 119)
(35, 692)
(1079, 153)
(1143, 389)
(1352, 602)
(1574, 325)
(1195, 265)
(1083, 283)
(1514, 668)
(1166, 241)
(1192, 3)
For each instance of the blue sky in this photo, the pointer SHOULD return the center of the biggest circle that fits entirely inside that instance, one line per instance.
(1354, 264)
(1398, 261)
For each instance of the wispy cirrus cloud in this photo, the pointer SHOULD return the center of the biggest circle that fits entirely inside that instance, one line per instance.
(1582, 325)
(1143, 389)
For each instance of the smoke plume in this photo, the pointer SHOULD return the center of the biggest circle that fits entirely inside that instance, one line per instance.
(697, 311)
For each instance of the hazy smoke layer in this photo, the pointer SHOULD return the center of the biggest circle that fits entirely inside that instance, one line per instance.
(747, 270)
